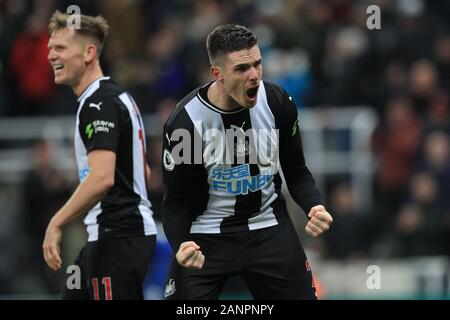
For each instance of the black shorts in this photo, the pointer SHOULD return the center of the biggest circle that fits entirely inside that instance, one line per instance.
(113, 268)
(271, 262)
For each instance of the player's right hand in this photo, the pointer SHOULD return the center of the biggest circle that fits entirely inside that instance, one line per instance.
(320, 221)
(190, 256)
(51, 247)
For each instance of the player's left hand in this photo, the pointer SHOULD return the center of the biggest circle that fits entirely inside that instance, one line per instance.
(52, 247)
(319, 221)
(190, 256)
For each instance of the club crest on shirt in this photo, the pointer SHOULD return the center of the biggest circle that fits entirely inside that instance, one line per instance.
(242, 145)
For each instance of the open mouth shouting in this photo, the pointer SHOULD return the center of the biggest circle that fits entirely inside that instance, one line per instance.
(252, 93)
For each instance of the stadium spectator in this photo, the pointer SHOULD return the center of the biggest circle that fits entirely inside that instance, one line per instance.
(45, 190)
(396, 142)
(349, 238)
(28, 64)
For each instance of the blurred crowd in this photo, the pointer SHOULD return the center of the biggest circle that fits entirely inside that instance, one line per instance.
(320, 51)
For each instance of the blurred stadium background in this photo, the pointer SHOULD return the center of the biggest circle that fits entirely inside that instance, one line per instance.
(374, 115)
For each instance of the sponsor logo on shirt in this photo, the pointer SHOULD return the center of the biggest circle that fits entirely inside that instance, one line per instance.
(82, 173)
(295, 127)
(98, 126)
(237, 180)
(95, 105)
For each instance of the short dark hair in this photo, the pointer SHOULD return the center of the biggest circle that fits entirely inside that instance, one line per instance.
(228, 38)
(94, 27)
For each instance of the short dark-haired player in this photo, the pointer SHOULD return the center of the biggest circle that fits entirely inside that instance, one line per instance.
(223, 211)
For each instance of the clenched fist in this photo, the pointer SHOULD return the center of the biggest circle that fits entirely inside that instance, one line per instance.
(190, 256)
(319, 221)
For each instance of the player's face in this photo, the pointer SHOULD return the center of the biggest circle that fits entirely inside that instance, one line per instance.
(242, 74)
(66, 56)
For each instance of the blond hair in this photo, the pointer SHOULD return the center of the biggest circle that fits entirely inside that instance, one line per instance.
(93, 27)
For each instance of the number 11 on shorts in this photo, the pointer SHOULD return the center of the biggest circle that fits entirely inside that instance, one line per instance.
(106, 281)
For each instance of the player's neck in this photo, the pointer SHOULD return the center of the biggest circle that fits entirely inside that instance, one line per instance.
(219, 97)
(91, 74)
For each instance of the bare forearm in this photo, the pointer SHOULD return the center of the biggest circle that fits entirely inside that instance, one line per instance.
(148, 173)
(85, 197)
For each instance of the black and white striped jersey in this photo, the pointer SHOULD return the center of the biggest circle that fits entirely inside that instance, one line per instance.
(221, 169)
(108, 118)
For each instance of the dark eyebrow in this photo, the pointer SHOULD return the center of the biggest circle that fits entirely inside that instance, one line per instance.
(241, 66)
(246, 65)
